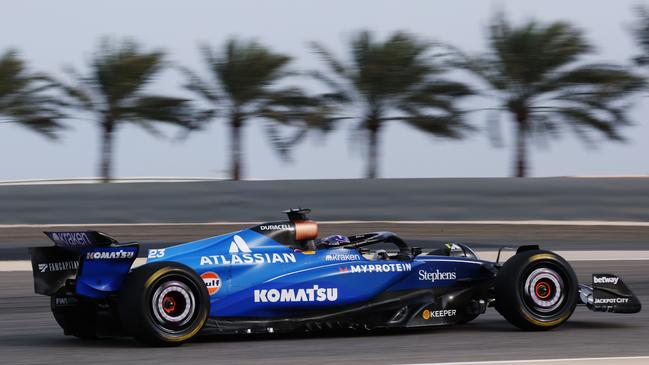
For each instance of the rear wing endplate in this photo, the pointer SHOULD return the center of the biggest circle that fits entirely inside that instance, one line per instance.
(89, 263)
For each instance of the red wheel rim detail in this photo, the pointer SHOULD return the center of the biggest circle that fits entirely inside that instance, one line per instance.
(173, 305)
(169, 304)
(543, 289)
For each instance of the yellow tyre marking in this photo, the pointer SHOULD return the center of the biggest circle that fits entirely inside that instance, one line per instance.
(191, 334)
(156, 275)
(542, 256)
(545, 324)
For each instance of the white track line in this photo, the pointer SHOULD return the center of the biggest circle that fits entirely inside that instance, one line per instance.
(627, 360)
(97, 180)
(467, 222)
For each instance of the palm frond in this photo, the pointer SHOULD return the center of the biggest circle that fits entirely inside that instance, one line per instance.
(283, 145)
(447, 126)
(397, 79)
(339, 92)
(526, 54)
(538, 72)
(47, 126)
(200, 87)
(25, 97)
(155, 108)
(121, 70)
(334, 65)
(640, 33)
(592, 120)
(247, 69)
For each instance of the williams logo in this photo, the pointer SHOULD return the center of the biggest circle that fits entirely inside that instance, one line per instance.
(314, 294)
(241, 254)
(436, 275)
(63, 301)
(239, 245)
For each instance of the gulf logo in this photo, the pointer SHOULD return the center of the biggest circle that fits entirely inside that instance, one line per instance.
(212, 282)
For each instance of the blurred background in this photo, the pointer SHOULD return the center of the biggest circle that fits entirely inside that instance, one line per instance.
(419, 117)
(323, 89)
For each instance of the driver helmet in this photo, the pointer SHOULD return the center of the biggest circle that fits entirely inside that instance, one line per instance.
(335, 240)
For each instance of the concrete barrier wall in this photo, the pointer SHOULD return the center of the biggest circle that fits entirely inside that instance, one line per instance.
(386, 199)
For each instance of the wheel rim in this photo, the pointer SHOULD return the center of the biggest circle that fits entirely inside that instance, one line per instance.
(544, 291)
(174, 306)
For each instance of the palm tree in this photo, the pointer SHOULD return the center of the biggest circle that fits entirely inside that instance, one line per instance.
(399, 79)
(242, 85)
(536, 72)
(24, 97)
(113, 91)
(641, 35)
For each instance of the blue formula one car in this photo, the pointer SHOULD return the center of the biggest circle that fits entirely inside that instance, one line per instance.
(280, 276)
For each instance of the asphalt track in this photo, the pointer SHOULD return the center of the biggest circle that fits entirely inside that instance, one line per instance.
(28, 335)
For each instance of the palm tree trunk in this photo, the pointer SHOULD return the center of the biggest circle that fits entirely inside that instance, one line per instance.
(106, 156)
(520, 167)
(235, 147)
(373, 149)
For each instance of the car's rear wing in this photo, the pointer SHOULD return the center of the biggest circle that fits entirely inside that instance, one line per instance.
(81, 239)
(88, 263)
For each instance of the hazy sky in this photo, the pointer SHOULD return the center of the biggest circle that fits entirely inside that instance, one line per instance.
(51, 34)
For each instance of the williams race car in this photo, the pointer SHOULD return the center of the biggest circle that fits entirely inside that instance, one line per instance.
(279, 276)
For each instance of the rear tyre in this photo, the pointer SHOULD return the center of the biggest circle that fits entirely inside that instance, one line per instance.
(163, 304)
(536, 290)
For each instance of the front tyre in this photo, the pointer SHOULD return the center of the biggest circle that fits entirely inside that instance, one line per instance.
(536, 290)
(163, 303)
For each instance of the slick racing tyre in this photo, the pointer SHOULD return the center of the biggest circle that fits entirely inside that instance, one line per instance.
(76, 316)
(536, 290)
(163, 304)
